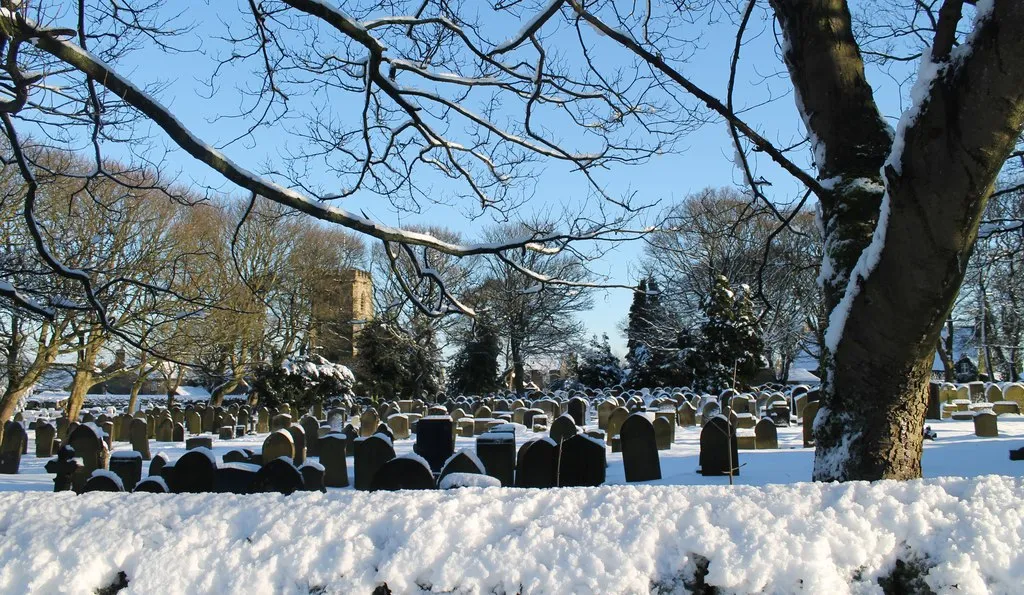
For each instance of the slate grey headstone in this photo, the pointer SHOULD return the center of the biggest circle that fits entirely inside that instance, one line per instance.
(434, 440)
(371, 453)
(138, 434)
(199, 442)
(14, 443)
(332, 457)
(639, 449)
(46, 433)
(582, 461)
(461, 462)
(311, 428)
(577, 410)
(156, 466)
(91, 449)
(537, 466)
(402, 473)
(152, 485)
(664, 433)
(497, 451)
(102, 482)
(127, 464)
(278, 476)
(195, 472)
(235, 478)
(717, 439)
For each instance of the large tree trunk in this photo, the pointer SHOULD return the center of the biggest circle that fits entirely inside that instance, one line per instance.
(80, 386)
(886, 320)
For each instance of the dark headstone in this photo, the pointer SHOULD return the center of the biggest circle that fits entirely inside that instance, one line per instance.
(582, 462)
(280, 422)
(15, 442)
(91, 449)
(128, 466)
(195, 472)
(156, 466)
(461, 462)
(279, 476)
(138, 435)
(434, 440)
(402, 473)
(235, 478)
(351, 433)
(497, 451)
(810, 412)
(578, 411)
(332, 457)
(311, 426)
(664, 433)
(563, 428)
(313, 477)
(639, 449)
(537, 465)
(199, 442)
(103, 482)
(717, 440)
(371, 454)
(236, 455)
(63, 468)
(152, 485)
(766, 435)
(299, 440)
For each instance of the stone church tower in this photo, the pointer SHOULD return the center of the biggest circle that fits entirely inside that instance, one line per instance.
(342, 305)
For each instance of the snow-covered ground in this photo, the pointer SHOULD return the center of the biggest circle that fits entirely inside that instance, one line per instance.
(772, 533)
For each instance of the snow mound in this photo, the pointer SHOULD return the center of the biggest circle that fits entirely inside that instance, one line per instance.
(965, 535)
(468, 480)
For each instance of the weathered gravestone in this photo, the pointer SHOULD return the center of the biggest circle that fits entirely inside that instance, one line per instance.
(462, 462)
(14, 443)
(687, 414)
(278, 444)
(582, 461)
(102, 480)
(371, 453)
(368, 423)
(313, 477)
(537, 464)
(124, 427)
(604, 411)
(766, 434)
(127, 464)
(350, 439)
(280, 421)
(193, 422)
(165, 429)
(91, 449)
(578, 411)
(138, 435)
(332, 457)
(262, 420)
(497, 451)
(156, 466)
(639, 449)
(409, 472)
(563, 429)
(717, 443)
(236, 455)
(934, 410)
(299, 439)
(664, 433)
(435, 441)
(208, 417)
(179, 433)
(46, 433)
(615, 421)
(195, 472)
(311, 428)
(199, 442)
(336, 419)
(985, 425)
(399, 426)
(278, 475)
(810, 412)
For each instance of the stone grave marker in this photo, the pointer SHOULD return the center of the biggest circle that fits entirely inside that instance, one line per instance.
(278, 475)
(615, 421)
(985, 425)
(138, 435)
(332, 457)
(766, 435)
(280, 421)
(435, 441)
(717, 439)
(577, 409)
(563, 429)
(14, 443)
(604, 411)
(46, 433)
(582, 462)
(102, 480)
(91, 449)
(236, 455)
(371, 454)
(194, 473)
(262, 420)
(299, 439)
(664, 433)
(368, 423)
(208, 416)
(165, 429)
(199, 442)
(178, 435)
(64, 468)
(402, 473)
(278, 444)
(313, 477)
(687, 414)
(156, 466)
(152, 485)
(399, 426)
(350, 439)
(462, 462)
(810, 412)
(127, 464)
(537, 466)
(193, 422)
(497, 451)
(336, 419)
(639, 449)
(311, 427)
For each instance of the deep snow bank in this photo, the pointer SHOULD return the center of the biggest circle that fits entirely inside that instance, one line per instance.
(810, 538)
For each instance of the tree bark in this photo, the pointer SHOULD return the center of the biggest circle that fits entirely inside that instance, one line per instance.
(870, 425)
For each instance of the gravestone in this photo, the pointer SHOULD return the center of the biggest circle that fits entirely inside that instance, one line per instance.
(280, 421)
(766, 434)
(717, 441)
(332, 457)
(165, 429)
(497, 451)
(138, 435)
(537, 466)
(350, 439)
(578, 411)
(687, 414)
(278, 475)
(278, 444)
(368, 423)
(64, 468)
(91, 449)
(226, 432)
(810, 412)
(194, 473)
(582, 462)
(127, 464)
(124, 425)
(311, 428)
(235, 478)
(156, 466)
(483, 412)
(46, 433)
(461, 462)
(434, 440)
(179, 433)
(299, 439)
(639, 449)
(193, 422)
(102, 480)
(313, 477)
(985, 425)
(402, 473)
(615, 421)
(604, 411)
(336, 419)
(664, 433)
(399, 426)
(236, 455)
(208, 417)
(371, 454)
(199, 442)
(152, 485)
(243, 421)
(262, 420)
(384, 429)
(14, 443)
(934, 410)
(563, 429)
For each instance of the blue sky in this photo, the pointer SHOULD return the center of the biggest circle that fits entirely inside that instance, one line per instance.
(706, 158)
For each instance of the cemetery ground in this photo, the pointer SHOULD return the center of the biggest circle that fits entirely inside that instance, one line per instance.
(961, 529)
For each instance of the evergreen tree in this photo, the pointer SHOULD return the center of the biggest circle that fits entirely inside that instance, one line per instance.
(654, 357)
(598, 367)
(302, 382)
(475, 366)
(730, 339)
(394, 362)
